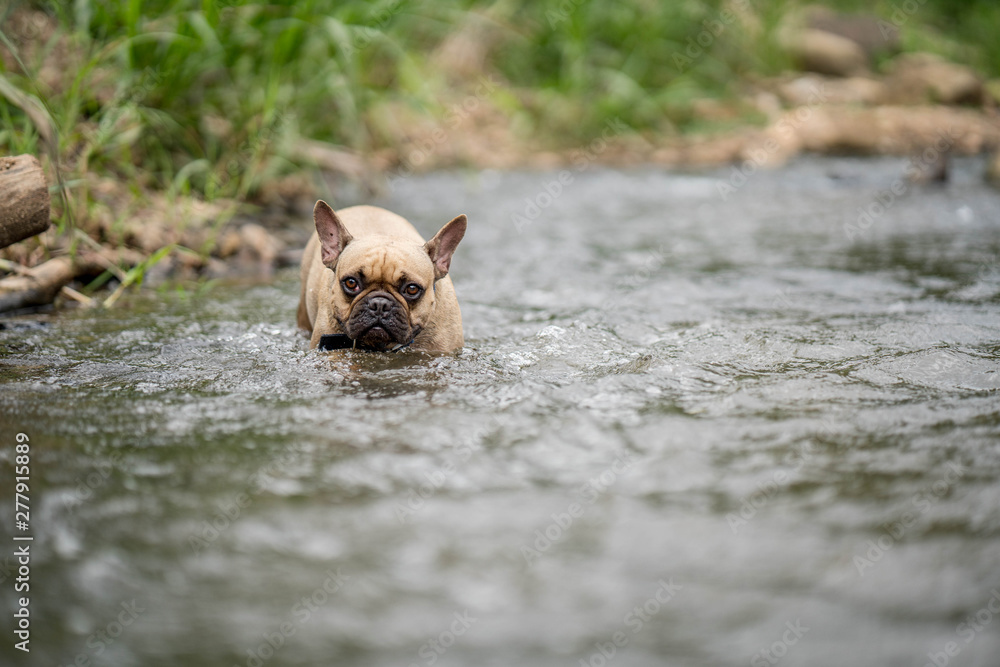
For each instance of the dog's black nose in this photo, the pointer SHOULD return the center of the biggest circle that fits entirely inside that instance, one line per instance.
(380, 306)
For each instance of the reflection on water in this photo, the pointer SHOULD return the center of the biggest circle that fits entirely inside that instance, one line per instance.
(690, 427)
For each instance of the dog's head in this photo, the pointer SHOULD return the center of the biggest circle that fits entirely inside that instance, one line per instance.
(384, 292)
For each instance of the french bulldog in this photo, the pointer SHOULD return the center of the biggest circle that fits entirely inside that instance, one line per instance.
(369, 281)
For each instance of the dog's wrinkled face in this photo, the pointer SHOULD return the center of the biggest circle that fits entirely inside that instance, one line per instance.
(383, 294)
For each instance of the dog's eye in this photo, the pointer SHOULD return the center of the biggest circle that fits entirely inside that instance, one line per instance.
(351, 285)
(412, 290)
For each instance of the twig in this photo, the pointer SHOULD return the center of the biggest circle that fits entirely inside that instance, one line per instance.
(98, 250)
(71, 293)
(111, 300)
(14, 267)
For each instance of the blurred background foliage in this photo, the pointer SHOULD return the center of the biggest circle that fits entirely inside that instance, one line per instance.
(213, 98)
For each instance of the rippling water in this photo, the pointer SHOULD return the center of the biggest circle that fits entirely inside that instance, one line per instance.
(691, 426)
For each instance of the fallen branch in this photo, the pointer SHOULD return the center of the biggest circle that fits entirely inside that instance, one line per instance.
(37, 288)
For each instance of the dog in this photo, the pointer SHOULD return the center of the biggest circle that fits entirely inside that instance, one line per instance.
(369, 281)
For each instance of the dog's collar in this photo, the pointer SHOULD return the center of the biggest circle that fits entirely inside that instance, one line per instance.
(329, 342)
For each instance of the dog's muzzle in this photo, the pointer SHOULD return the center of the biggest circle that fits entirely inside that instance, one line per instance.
(378, 320)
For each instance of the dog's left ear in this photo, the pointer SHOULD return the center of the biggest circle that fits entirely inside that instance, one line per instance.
(333, 236)
(442, 246)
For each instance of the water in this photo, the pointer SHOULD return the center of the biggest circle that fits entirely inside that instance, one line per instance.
(684, 430)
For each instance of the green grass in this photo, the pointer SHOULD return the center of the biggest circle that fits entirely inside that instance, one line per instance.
(195, 97)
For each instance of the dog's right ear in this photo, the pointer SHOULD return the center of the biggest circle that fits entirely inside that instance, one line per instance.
(333, 236)
(442, 246)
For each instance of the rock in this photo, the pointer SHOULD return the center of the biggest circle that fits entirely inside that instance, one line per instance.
(768, 104)
(248, 250)
(925, 131)
(826, 53)
(918, 78)
(710, 151)
(149, 234)
(295, 193)
(871, 33)
(261, 244)
(903, 130)
(198, 238)
(214, 269)
(229, 243)
(774, 146)
(814, 88)
(709, 109)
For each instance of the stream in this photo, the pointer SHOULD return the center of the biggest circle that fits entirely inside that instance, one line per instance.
(702, 419)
